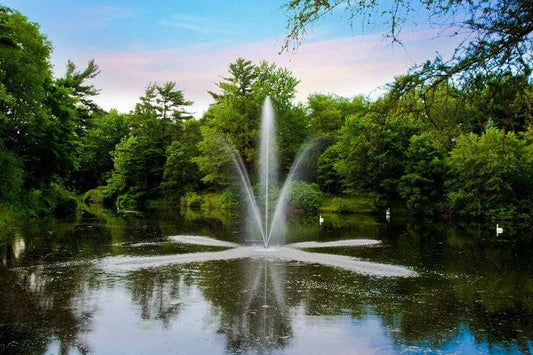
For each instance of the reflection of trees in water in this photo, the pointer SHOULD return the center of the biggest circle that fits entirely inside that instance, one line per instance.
(161, 292)
(42, 306)
(256, 301)
(469, 283)
(250, 296)
(474, 281)
(237, 290)
(434, 312)
(54, 243)
(426, 311)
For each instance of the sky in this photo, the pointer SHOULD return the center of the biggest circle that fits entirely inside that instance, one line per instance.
(192, 43)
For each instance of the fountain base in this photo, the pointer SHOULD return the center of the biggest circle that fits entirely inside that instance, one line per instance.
(290, 252)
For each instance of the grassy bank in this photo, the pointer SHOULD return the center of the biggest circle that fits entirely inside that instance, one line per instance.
(360, 203)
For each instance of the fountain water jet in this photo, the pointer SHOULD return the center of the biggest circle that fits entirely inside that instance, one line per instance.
(268, 180)
(245, 182)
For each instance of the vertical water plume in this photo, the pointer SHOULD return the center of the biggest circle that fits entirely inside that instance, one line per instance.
(267, 226)
(268, 162)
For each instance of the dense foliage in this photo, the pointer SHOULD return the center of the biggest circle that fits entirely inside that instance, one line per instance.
(421, 185)
(140, 157)
(490, 175)
(445, 148)
(234, 119)
(305, 196)
(38, 141)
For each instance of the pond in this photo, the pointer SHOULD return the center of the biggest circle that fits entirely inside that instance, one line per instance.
(473, 292)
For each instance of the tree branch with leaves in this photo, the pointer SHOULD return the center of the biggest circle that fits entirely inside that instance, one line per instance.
(497, 35)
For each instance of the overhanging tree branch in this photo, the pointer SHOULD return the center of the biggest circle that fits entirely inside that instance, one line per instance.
(499, 32)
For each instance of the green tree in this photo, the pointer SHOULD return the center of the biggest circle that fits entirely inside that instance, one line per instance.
(328, 113)
(304, 196)
(442, 110)
(138, 171)
(422, 185)
(235, 118)
(164, 102)
(504, 101)
(139, 160)
(293, 131)
(214, 161)
(490, 175)
(373, 153)
(329, 178)
(38, 142)
(11, 177)
(160, 113)
(24, 72)
(96, 162)
(76, 83)
(38, 117)
(56, 154)
(181, 174)
(239, 83)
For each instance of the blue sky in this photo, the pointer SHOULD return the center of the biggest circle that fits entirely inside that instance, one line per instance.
(132, 25)
(192, 43)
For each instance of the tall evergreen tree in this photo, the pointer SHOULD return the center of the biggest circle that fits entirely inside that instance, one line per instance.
(140, 159)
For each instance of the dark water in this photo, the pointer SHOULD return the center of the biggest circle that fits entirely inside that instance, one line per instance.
(474, 293)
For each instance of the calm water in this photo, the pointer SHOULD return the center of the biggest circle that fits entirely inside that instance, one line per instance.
(474, 293)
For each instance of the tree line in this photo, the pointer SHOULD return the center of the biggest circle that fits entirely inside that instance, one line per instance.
(442, 148)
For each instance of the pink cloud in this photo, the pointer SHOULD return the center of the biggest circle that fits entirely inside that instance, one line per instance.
(345, 66)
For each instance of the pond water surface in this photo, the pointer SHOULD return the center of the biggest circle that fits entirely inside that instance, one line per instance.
(473, 292)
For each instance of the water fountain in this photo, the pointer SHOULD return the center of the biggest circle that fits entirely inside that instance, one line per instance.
(269, 222)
